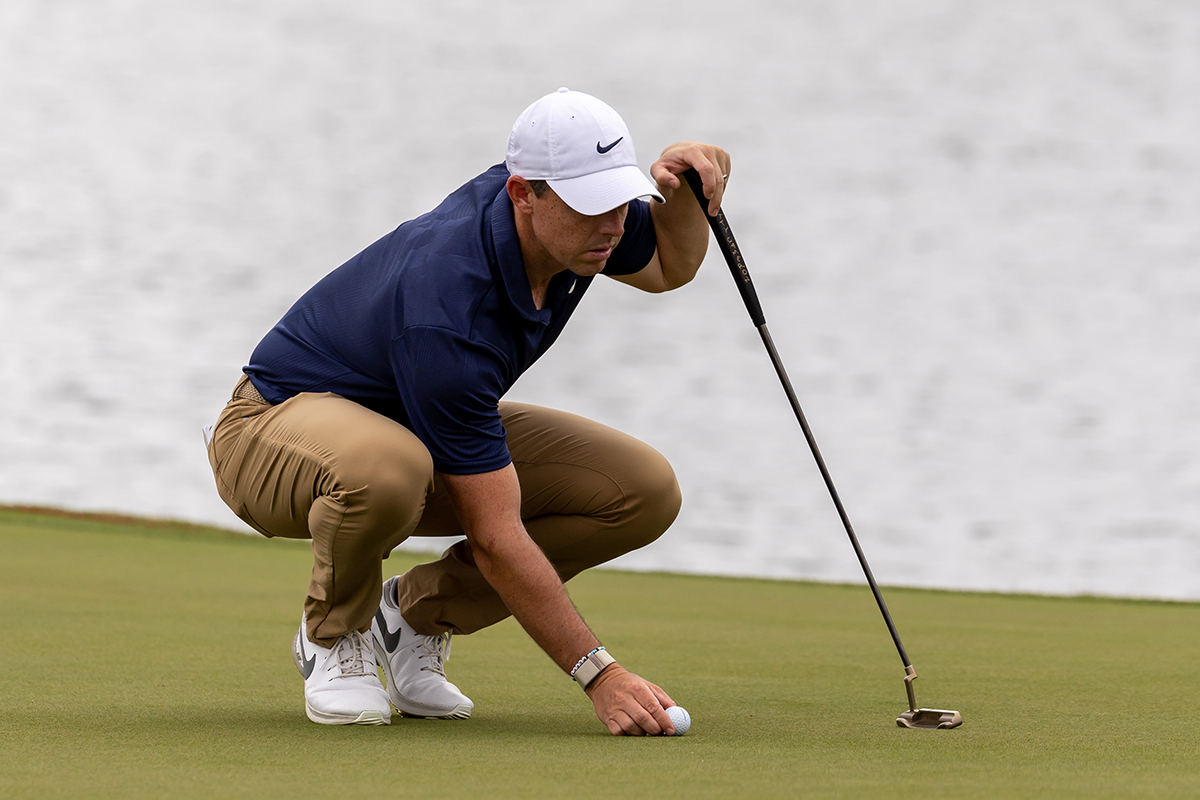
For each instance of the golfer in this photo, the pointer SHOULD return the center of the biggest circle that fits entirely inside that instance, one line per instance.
(373, 412)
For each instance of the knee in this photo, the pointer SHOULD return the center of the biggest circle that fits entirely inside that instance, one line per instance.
(384, 488)
(653, 497)
(397, 487)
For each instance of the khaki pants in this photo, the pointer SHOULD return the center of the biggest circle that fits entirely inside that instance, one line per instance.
(324, 468)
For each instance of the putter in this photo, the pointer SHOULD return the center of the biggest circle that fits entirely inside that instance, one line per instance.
(929, 718)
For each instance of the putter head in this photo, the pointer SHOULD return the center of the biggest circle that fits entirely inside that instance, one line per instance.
(929, 718)
(933, 718)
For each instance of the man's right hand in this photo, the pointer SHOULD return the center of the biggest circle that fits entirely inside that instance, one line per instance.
(629, 705)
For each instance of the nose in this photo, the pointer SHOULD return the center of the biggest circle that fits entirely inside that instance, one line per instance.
(612, 223)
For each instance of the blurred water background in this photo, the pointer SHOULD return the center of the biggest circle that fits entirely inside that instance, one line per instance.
(974, 228)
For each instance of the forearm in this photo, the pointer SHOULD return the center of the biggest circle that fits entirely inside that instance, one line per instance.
(533, 592)
(682, 234)
(488, 507)
(680, 225)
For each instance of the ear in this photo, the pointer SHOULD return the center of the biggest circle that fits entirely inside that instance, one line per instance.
(521, 194)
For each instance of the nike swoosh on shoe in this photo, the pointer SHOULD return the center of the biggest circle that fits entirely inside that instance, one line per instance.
(390, 639)
(309, 663)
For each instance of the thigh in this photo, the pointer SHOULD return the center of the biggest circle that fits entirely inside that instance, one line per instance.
(273, 462)
(568, 464)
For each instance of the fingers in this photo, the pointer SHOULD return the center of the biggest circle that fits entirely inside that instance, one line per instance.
(664, 699)
(637, 722)
(640, 714)
(663, 722)
(629, 705)
(710, 162)
(663, 176)
(715, 175)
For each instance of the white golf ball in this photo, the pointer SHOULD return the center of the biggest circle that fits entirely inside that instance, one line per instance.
(681, 719)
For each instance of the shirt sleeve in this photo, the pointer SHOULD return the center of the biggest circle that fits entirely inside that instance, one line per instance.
(451, 388)
(637, 245)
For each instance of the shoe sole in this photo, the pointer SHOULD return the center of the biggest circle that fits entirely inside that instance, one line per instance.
(365, 718)
(458, 712)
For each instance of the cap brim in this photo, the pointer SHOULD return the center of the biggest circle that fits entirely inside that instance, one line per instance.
(600, 192)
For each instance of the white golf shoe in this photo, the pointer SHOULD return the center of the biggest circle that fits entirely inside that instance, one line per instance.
(341, 683)
(415, 665)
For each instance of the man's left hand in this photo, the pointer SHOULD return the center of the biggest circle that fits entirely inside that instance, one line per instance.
(710, 161)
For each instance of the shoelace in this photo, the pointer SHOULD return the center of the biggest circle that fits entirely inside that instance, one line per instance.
(355, 657)
(438, 649)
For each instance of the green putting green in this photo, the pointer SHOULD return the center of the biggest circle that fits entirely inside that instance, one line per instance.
(151, 659)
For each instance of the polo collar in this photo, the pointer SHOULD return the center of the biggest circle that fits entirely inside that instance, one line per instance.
(507, 247)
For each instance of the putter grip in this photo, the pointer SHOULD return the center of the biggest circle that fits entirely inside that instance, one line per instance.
(729, 249)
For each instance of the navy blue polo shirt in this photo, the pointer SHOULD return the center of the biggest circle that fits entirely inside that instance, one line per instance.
(433, 323)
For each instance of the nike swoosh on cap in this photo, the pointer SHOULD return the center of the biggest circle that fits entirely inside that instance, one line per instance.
(606, 148)
(390, 640)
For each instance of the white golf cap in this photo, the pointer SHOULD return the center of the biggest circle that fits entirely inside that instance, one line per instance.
(581, 147)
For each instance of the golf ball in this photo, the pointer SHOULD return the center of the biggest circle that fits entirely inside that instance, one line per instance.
(681, 719)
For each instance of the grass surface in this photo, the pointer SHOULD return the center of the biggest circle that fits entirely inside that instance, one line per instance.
(152, 660)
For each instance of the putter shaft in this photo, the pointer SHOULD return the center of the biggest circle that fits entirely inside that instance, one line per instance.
(914, 717)
(837, 502)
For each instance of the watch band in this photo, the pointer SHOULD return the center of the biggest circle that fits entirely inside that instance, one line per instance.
(590, 666)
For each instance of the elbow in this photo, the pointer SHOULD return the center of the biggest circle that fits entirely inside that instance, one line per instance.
(484, 548)
(493, 548)
(680, 267)
(679, 275)
(659, 287)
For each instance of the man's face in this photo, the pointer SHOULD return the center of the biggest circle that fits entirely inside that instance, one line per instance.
(578, 242)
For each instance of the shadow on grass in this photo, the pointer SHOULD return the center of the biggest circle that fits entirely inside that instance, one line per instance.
(74, 718)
